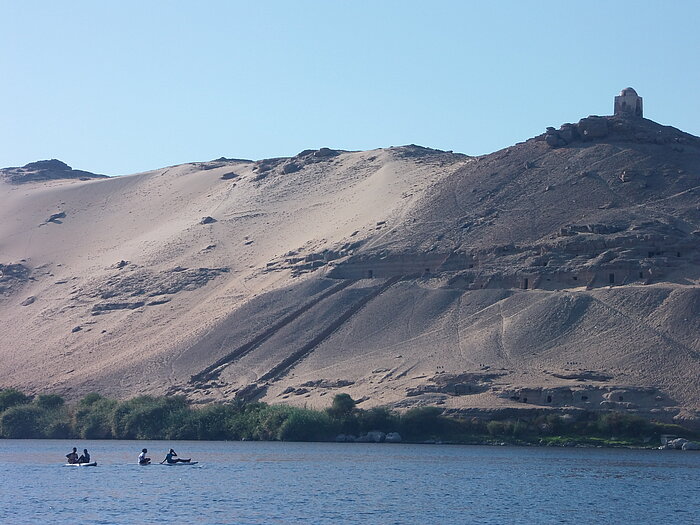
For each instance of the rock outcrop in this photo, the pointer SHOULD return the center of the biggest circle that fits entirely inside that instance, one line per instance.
(617, 128)
(680, 444)
(44, 170)
(12, 277)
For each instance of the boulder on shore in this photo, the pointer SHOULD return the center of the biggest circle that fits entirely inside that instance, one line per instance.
(680, 444)
(372, 437)
(393, 437)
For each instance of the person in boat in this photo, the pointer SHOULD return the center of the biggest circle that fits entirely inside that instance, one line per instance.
(143, 460)
(170, 457)
(84, 457)
(72, 456)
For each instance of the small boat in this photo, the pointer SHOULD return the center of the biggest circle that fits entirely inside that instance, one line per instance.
(180, 463)
(92, 464)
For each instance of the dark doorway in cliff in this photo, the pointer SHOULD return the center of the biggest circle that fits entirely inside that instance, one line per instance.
(370, 274)
(549, 399)
(525, 283)
(678, 254)
(619, 398)
(584, 398)
(611, 278)
(641, 275)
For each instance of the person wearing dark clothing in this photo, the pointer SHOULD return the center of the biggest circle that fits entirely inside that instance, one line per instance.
(85, 457)
(170, 458)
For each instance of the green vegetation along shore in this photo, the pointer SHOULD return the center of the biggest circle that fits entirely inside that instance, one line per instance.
(48, 416)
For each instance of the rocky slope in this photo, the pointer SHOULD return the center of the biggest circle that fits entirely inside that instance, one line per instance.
(560, 273)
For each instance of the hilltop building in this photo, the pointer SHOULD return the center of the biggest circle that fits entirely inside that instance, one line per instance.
(628, 103)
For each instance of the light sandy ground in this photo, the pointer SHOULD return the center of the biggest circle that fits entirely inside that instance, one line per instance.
(130, 293)
(152, 220)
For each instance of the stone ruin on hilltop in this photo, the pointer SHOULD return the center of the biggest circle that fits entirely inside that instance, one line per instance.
(628, 103)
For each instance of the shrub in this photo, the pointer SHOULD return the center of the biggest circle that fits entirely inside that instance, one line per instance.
(344, 413)
(188, 427)
(306, 425)
(621, 424)
(59, 429)
(22, 422)
(212, 422)
(49, 401)
(244, 422)
(93, 426)
(93, 417)
(147, 417)
(519, 428)
(90, 399)
(422, 422)
(377, 418)
(507, 428)
(549, 425)
(497, 428)
(271, 419)
(9, 397)
(342, 407)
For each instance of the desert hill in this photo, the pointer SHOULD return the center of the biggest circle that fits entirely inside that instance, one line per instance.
(561, 272)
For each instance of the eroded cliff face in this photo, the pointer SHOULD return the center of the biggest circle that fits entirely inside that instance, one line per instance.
(616, 209)
(560, 273)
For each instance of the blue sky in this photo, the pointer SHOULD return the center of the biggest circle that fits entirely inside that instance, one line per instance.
(126, 86)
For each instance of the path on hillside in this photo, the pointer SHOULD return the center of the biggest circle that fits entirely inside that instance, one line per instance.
(214, 370)
(280, 370)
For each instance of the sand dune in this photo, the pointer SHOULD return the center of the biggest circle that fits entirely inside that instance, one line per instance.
(535, 277)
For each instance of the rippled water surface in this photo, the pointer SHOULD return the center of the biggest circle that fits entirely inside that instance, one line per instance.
(319, 483)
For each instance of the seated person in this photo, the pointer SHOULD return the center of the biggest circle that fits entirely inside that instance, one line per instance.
(170, 458)
(85, 457)
(143, 460)
(72, 456)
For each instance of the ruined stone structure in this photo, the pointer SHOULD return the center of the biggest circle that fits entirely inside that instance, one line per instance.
(628, 103)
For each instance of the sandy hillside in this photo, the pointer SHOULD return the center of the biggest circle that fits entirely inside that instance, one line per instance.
(132, 269)
(546, 275)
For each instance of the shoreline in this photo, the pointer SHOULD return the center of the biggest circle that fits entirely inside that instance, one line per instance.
(48, 416)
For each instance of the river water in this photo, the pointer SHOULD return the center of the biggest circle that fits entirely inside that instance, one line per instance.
(322, 483)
